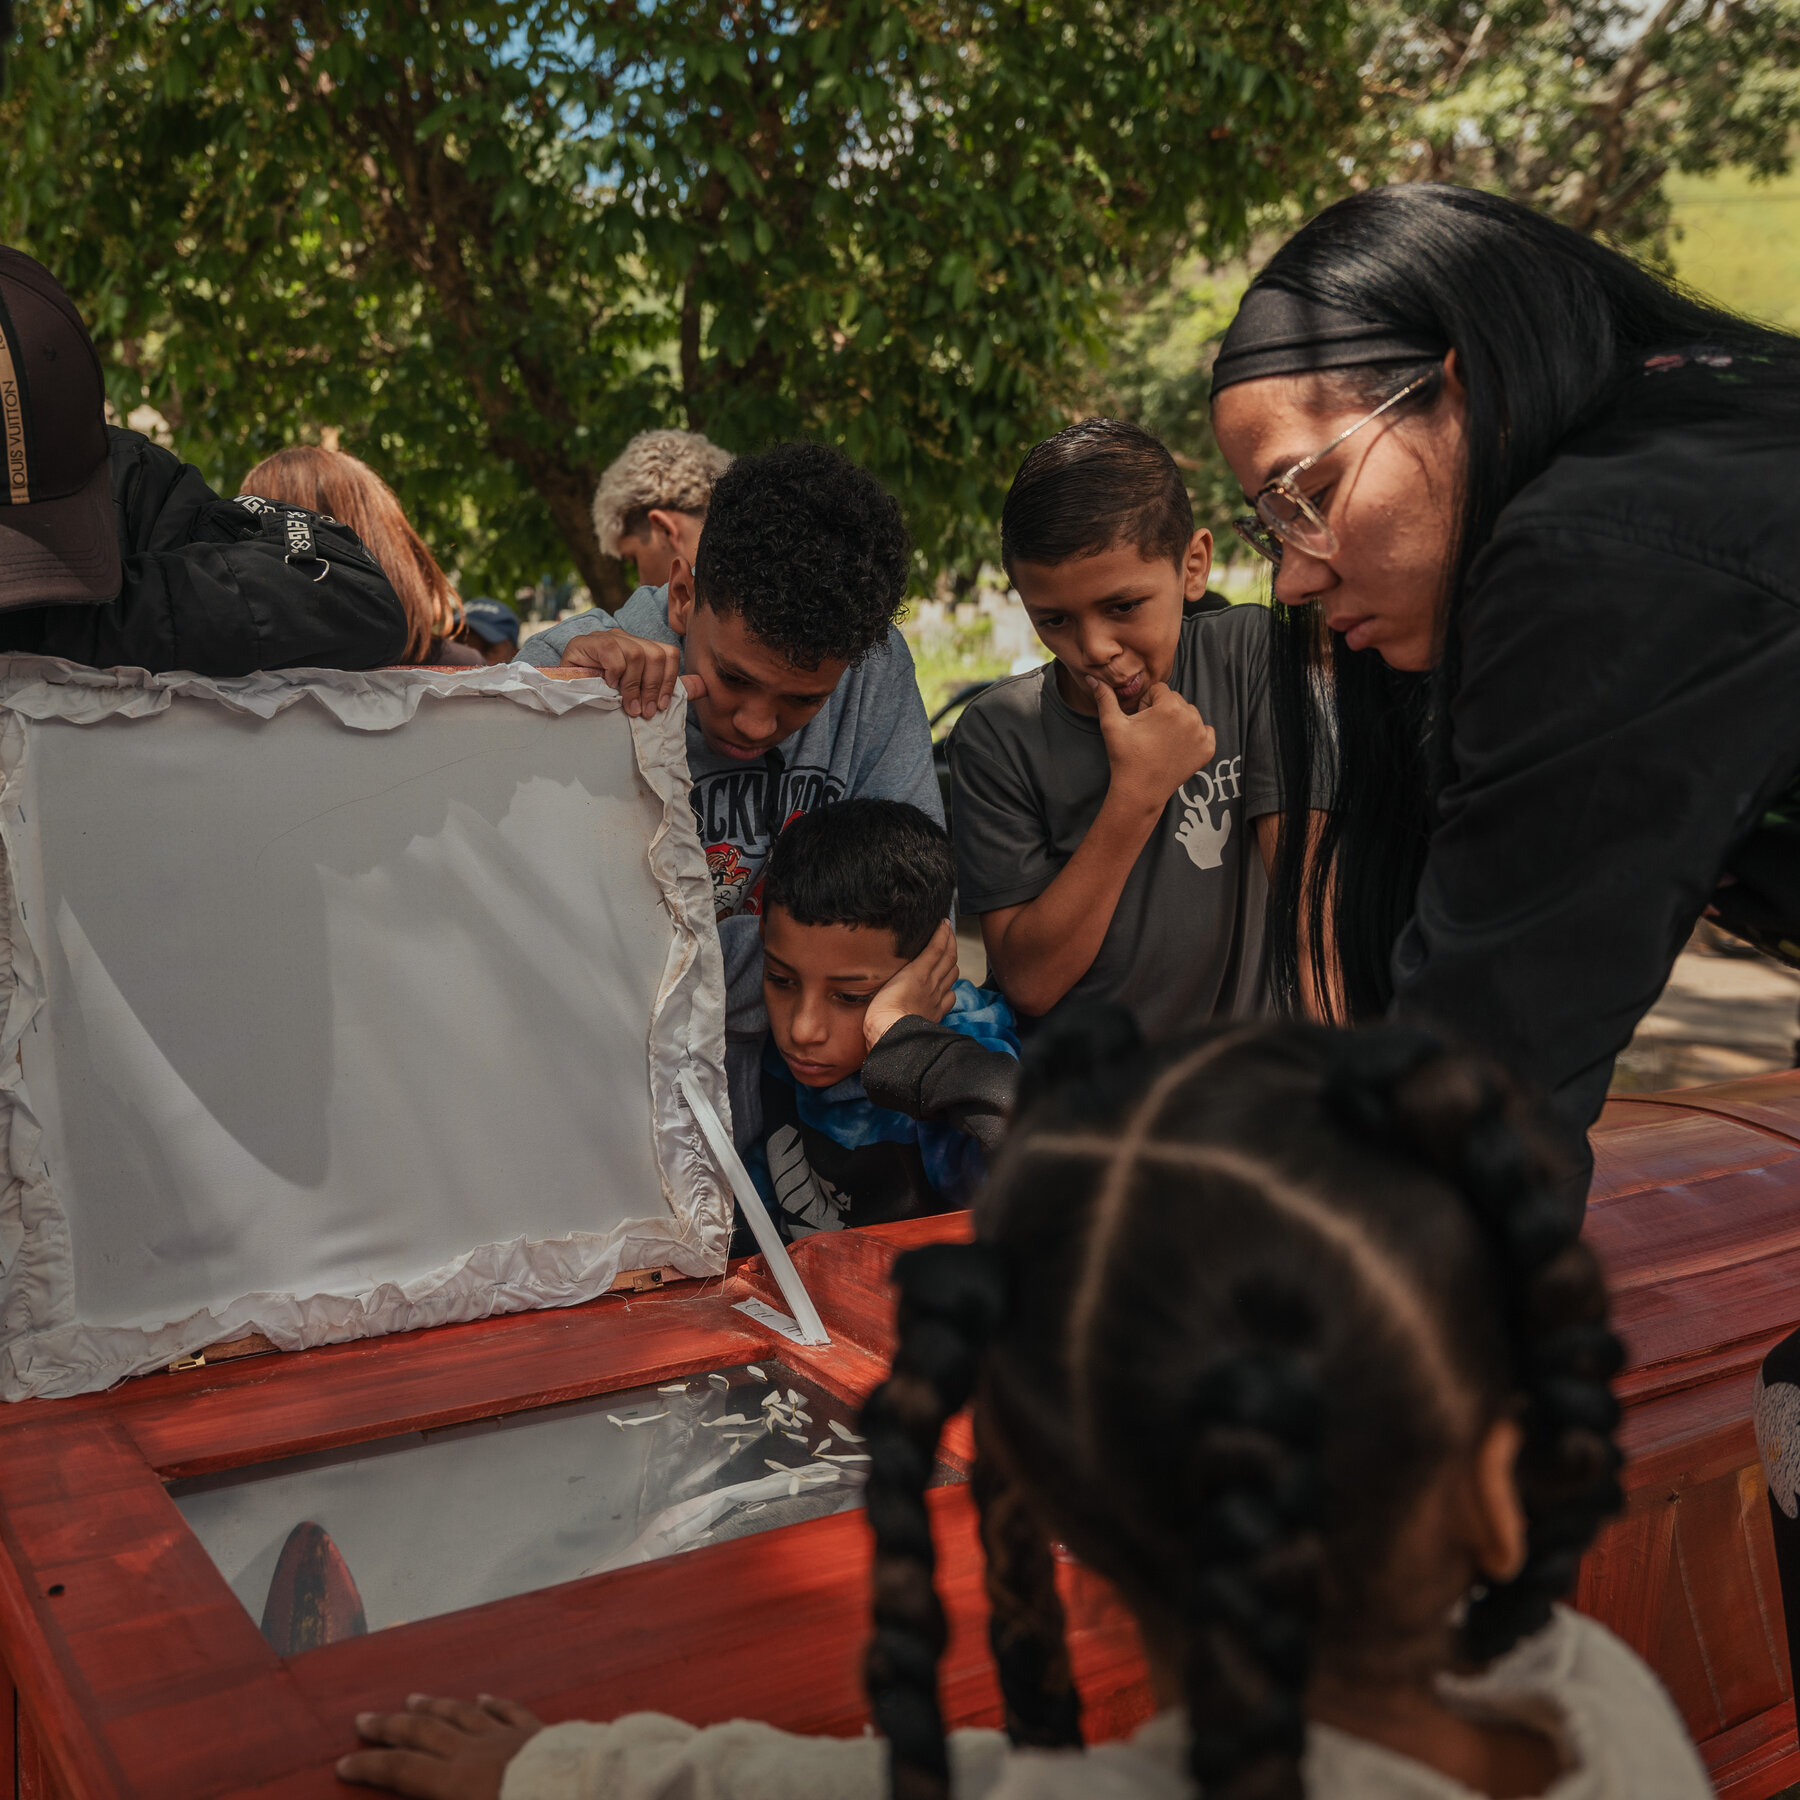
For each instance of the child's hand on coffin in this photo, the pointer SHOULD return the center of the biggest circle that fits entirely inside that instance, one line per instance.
(1153, 750)
(440, 1749)
(644, 672)
(925, 987)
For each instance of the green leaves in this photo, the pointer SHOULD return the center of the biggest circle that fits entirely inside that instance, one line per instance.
(488, 246)
(1579, 106)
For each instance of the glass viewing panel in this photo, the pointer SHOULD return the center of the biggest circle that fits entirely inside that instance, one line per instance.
(324, 1547)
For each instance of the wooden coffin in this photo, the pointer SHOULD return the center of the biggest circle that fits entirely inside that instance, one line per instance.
(130, 1671)
(1695, 1211)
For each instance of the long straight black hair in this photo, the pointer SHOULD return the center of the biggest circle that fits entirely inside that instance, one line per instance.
(1547, 325)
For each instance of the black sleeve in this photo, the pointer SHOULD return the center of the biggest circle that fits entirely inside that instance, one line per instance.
(1625, 714)
(928, 1071)
(206, 590)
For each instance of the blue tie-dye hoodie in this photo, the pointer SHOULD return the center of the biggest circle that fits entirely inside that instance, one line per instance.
(844, 1115)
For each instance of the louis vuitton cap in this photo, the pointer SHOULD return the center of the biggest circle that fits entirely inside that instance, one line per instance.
(59, 542)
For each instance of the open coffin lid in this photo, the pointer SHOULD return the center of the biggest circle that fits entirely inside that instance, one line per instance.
(340, 1004)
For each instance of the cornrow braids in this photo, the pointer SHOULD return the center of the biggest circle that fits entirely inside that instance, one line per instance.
(1236, 1304)
(953, 1298)
(1250, 1595)
(1026, 1627)
(1243, 1465)
(1401, 1088)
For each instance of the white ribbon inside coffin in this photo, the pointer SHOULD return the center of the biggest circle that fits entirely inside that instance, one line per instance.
(339, 1004)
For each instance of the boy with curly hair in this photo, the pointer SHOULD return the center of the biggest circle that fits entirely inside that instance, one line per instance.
(801, 689)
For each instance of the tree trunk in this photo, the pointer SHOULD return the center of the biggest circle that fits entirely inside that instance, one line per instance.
(569, 494)
(438, 191)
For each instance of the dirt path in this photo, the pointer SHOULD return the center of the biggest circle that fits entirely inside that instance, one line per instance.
(1726, 1012)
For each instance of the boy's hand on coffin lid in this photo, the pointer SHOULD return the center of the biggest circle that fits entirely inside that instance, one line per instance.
(440, 1749)
(691, 685)
(644, 672)
(1153, 750)
(926, 987)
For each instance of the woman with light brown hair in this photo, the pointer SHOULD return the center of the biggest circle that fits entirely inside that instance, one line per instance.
(329, 481)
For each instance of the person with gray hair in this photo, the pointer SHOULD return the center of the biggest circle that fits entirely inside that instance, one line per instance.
(652, 500)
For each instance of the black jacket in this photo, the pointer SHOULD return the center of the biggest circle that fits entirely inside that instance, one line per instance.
(922, 1069)
(208, 586)
(1625, 728)
(928, 1071)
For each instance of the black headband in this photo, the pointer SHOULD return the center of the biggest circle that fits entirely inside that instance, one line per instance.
(1277, 332)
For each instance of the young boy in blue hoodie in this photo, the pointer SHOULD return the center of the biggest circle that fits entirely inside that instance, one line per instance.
(885, 1079)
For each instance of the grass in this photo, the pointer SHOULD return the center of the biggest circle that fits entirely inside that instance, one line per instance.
(942, 670)
(1739, 241)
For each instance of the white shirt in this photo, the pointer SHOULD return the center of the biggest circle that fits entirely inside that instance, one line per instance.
(1619, 1734)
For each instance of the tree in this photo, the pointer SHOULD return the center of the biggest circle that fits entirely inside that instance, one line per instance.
(1581, 108)
(488, 243)
(1578, 107)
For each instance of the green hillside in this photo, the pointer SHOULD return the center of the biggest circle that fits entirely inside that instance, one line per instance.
(1740, 241)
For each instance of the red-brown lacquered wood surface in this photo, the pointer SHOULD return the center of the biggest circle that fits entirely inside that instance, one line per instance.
(9, 1721)
(140, 1675)
(1695, 1213)
(783, 1646)
(201, 1420)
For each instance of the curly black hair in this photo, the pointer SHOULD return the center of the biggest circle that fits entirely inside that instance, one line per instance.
(808, 549)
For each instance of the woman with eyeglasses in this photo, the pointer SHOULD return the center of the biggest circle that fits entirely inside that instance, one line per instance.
(1535, 521)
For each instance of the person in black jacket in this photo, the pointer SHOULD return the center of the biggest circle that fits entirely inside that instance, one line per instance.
(115, 553)
(1532, 516)
(1533, 520)
(346, 488)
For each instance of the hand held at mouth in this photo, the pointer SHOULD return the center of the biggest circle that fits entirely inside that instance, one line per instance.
(1155, 749)
(644, 672)
(926, 987)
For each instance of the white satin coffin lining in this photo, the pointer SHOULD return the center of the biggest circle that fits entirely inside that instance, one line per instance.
(338, 1004)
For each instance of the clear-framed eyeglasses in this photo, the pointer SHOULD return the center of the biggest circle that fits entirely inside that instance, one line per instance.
(1284, 515)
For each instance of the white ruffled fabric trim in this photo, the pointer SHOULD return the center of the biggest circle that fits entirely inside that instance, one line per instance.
(47, 1351)
(372, 700)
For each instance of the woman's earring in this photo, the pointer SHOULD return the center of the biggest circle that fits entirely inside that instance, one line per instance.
(1458, 1615)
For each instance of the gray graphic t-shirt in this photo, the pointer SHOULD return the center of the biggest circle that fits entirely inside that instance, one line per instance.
(1028, 777)
(870, 738)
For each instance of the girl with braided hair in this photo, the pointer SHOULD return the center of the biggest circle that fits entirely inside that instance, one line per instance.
(1285, 1332)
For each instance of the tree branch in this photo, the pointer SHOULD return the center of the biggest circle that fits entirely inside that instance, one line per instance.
(436, 210)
